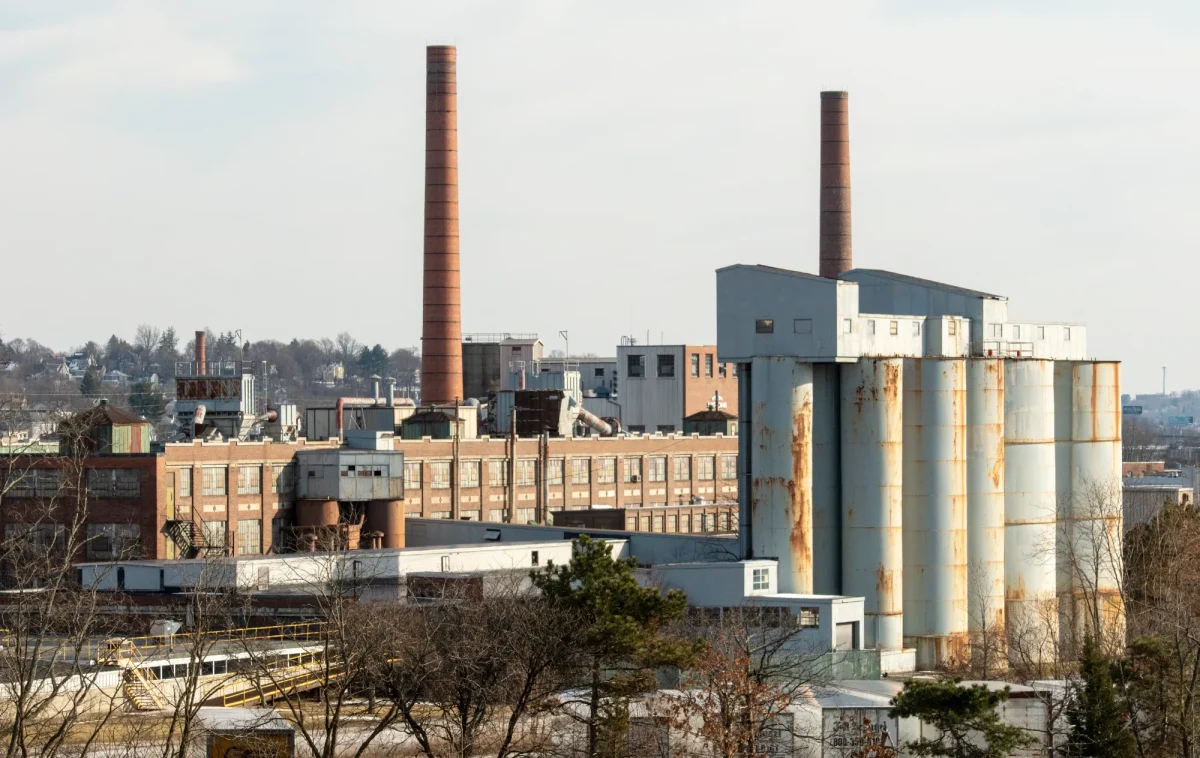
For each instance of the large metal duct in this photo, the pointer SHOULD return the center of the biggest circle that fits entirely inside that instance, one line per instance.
(387, 516)
(441, 326)
(827, 480)
(985, 496)
(1092, 551)
(935, 510)
(872, 479)
(836, 257)
(1029, 506)
(781, 477)
(602, 427)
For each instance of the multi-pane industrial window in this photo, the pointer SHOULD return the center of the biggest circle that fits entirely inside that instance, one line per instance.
(35, 540)
(468, 474)
(606, 470)
(723, 522)
(579, 471)
(249, 537)
(497, 473)
(554, 471)
(916, 328)
(249, 480)
(893, 328)
(526, 472)
(997, 330)
(666, 366)
(760, 579)
(439, 475)
(722, 372)
(1041, 334)
(672, 522)
(685, 523)
(212, 480)
(279, 525)
(636, 366)
(35, 483)
(412, 475)
(729, 467)
(704, 467)
(283, 479)
(952, 327)
(870, 326)
(696, 364)
(361, 470)
(114, 482)
(106, 541)
(598, 373)
(665, 428)
(683, 468)
(183, 482)
(656, 524)
(214, 533)
(632, 468)
(469, 515)
(496, 516)
(1016, 331)
(708, 364)
(524, 515)
(764, 326)
(657, 469)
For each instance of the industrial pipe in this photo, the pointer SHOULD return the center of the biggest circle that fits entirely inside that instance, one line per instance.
(391, 391)
(201, 344)
(353, 402)
(269, 417)
(375, 387)
(198, 420)
(603, 427)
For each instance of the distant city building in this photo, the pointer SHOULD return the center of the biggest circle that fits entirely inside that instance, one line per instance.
(662, 384)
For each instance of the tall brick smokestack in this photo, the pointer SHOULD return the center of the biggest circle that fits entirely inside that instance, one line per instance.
(201, 353)
(836, 257)
(441, 330)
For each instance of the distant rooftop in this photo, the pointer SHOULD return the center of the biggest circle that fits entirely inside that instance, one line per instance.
(922, 282)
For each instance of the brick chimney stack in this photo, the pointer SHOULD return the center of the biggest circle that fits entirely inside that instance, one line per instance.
(441, 329)
(836, 252)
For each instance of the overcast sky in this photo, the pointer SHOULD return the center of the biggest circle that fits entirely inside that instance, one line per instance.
(258, 166)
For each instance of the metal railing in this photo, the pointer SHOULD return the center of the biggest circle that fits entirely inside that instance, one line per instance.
(121, 650)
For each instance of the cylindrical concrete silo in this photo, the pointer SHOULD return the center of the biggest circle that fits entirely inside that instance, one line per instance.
(935, 510)
(781, 482)
(872, 481)
(1094, 546)
(985, 497)
(827, 480)
(1029, 506)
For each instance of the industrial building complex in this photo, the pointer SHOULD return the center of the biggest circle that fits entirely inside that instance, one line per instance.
(890, 460)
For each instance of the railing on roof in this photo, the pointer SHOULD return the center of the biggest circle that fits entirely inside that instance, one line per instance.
(486, 337)
(214, 368)
(1005, 349)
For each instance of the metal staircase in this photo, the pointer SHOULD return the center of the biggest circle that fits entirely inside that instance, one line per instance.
(186, 536)
(139, 691)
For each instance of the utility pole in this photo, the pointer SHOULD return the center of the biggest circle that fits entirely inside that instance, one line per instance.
(512, 466)
(455, 490)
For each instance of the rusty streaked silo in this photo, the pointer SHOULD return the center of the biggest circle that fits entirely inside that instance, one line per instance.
(781, 474)
(441, 327)
(201, 351)
(1094, 531)
(985, 498)
(935, 510)
(836, 257)
(872, 482)
(317, 512)
(1030, 492)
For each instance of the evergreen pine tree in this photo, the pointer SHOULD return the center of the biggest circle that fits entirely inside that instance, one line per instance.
(964, 718)
(89, 386)
(1096, 717)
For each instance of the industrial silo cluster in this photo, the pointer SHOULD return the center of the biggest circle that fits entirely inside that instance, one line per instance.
(902, 440)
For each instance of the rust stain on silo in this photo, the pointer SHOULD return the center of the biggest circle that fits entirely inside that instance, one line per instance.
(835, 242)
(441, 326)
(800, 491)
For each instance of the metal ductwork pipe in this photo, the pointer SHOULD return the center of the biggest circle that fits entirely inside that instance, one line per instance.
(201, 351)
(604, 428)
(836, 257)
(351, 402)
(269, 417)
(375, 387)
(391, 391)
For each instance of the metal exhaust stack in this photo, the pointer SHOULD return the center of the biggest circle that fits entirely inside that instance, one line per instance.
(836, 254)
(441, 333)
(201, 349)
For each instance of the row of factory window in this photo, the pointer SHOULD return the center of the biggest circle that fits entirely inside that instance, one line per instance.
(760, 616)
(107, 483)
(683, 523)
(214, 480)
(581, 471)
(635, 366)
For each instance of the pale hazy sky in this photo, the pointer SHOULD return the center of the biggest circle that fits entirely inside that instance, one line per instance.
(258, 165)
